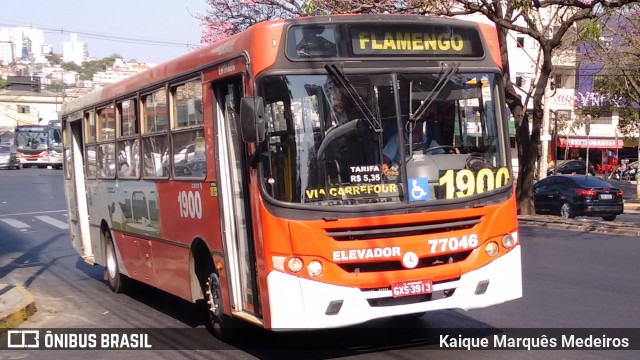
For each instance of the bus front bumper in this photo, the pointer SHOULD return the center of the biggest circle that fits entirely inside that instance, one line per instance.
(297, 303)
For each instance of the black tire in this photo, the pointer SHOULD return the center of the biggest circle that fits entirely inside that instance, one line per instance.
(566, 211)
(112, 270)
(218, 323)
(609, 217)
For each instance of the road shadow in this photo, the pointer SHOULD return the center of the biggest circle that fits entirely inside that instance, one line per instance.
(399, 333)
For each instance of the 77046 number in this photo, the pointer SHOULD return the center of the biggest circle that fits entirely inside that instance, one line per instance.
(453, 243)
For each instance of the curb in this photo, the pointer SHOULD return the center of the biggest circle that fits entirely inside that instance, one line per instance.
(584, 225)
(633, 208)
(16, 305)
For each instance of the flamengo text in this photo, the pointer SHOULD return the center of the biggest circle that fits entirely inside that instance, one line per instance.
(410, 41)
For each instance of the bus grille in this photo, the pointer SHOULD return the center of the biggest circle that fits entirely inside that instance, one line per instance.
(366, 267)
(390, 231)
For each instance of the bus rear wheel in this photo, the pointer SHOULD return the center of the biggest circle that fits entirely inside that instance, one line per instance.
(219, 324)
(112, 271)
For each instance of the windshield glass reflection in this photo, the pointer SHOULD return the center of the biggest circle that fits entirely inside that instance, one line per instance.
(366, 139)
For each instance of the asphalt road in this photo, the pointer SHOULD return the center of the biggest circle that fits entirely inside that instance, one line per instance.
(571, 280)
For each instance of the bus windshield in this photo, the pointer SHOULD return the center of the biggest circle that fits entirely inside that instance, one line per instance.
(382, 138)
(31, 139)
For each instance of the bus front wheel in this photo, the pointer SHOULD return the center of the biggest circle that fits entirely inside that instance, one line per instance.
(219, 323)
(112, 271)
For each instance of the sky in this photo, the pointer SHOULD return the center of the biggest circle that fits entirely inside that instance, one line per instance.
(136, 24)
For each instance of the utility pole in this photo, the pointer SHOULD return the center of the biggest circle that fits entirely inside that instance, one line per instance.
(587, 130)
(637, 169)
(545, 137)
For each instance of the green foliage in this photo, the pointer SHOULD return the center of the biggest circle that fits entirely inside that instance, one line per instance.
(521, 4)
(590, 31)
(620, 77)
(70, 66)
(309, 7)
(90, 68)
(621, 87)
(3, 83)
(55, 59)
(56, 88)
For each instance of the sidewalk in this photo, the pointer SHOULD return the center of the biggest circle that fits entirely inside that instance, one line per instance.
(631, 206)
(16, 305)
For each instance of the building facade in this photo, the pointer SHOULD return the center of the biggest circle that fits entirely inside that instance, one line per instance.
(74, 51)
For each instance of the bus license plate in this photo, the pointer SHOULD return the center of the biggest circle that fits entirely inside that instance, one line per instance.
(606, 196)
(412, 288)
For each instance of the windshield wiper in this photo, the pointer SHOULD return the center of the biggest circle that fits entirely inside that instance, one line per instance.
(364, 110)
(442, 80)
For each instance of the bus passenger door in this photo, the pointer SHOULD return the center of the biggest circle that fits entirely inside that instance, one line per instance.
(235, 209)
(76, 190)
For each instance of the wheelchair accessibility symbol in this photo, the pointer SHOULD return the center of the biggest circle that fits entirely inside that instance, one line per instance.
(418, 189)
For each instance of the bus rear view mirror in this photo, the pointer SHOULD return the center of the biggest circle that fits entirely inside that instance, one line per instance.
(252, 119)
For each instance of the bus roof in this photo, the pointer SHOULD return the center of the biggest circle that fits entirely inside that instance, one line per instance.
(263, 38)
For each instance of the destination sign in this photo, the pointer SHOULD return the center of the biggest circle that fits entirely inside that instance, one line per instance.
(430, 41)
(31, 128)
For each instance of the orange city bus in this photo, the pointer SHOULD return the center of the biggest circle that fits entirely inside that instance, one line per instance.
(257, 174)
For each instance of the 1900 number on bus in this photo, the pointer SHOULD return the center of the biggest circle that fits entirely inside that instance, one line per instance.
(190, 204)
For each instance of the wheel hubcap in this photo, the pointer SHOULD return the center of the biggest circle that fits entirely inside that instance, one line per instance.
(111, 262)
(214, 298)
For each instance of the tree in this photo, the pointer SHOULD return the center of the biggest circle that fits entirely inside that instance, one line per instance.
(619, 80)
(227, 17)
(71, 66)
(617, 55)
(54, 59)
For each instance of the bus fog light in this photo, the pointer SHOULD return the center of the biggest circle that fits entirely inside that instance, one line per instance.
(314, 268)
(491, 249)
(295, 264)
(508, 241)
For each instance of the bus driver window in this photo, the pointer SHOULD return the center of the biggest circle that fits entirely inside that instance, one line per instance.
(313, 44)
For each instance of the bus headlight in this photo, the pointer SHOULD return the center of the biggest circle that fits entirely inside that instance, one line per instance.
(508, 241)
(294, 264)
(314, 268)
(491, 249)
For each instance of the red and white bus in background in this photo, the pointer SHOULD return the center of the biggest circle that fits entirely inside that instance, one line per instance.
(39, 145)
(31, 143)
(254, 173)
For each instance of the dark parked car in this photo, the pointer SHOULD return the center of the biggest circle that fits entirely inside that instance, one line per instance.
(9, 157)
(571, 167)
(577, 195)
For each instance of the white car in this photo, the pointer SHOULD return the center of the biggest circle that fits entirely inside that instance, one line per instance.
(9, 158)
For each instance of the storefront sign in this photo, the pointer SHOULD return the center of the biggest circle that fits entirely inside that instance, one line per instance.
(593, 143)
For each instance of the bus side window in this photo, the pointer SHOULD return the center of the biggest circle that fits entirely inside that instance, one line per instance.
(188, 145)
(155, 141)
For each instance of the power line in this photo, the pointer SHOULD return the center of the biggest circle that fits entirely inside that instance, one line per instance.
(112, 37)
